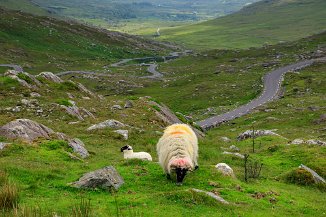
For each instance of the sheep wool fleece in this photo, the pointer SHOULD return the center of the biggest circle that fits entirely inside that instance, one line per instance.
(178, 147)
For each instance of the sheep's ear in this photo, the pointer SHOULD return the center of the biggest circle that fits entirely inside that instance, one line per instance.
(124, 148)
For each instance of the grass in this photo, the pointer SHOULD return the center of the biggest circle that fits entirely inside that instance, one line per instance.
(44, 168)
(265, 22)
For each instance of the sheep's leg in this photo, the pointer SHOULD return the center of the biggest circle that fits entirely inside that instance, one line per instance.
(168, 176)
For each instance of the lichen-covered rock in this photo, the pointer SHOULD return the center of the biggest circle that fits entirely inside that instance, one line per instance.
(33, 84)
(26, 130)
(73, 110)
(257, 133)
(225, 139)
(297, 142)
(316, 142)
(234, 154)
(104, 178)
(234, 148)
(114, 124)
(85, 90)
(317, 178)
(79, 147)
(225, 169)
(3, 145)
(50, 77)
(116, 107)
(123, 133)
(128, 104)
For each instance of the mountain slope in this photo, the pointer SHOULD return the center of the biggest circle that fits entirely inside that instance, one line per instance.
(48, 43)
(268, 21)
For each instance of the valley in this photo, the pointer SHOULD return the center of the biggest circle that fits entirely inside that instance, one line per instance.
(86, 92)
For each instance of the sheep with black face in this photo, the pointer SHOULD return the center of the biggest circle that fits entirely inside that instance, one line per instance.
(128, 153)
(178, 151)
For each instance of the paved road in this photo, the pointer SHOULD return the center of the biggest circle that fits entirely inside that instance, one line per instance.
(83, 72)
(272, 84)
(15, 67)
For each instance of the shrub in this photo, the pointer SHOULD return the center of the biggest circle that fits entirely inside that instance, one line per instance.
(300, 177)
(25, 77)
(55, 144)
(63, 102)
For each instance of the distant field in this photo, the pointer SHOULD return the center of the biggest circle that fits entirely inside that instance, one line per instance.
(265, 22)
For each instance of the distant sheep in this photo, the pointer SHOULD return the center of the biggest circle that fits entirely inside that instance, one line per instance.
(128, 153)
(177, 151)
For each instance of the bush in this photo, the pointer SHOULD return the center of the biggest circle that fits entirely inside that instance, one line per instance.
(55, 144)
(25, 77)
(64, 102)
(300, 177)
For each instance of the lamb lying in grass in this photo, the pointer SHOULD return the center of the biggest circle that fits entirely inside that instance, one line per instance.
(128, 153)
(178, 151)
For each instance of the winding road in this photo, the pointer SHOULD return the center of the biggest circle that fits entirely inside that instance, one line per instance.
(272, 84)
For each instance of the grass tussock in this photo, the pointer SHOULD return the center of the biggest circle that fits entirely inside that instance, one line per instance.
(9, 193)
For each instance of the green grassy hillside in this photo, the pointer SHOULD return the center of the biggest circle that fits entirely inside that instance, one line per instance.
(265, 22)
(43, 43)
(42, 170)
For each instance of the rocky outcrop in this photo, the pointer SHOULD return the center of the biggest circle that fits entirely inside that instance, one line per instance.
(85, 90)
(212, 195)
(50, 77)
(79, 147)
(225, 169)
(105, 178)
(26, 130)
(32, 84)
(128, 104)
(317, 178)
(308, 142)
(123, 133)
(114, 124)
(77, 112)
(256, 133)
(3, 145)
(234, 154)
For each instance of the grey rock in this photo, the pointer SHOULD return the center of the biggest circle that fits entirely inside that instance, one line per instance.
(3, 145)
(297, 142)
(225, 169)
(73, 110)
(317, 178)
(322, 119)
(88, 113)
(114, 124)
(79, 147)
(234, 148)
(35, 95)
(85, 90)
(316, 142)
(225, 139)
(14, 75)
(50, 77)
(16, 109)
(104, 178)
(129, 104)
(116, 107)
(234, 154)
(26, 130)
(257, 133)
(123, 133)
(216, 197)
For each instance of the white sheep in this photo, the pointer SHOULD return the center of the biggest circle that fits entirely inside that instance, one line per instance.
(177, 151)
(128, 153)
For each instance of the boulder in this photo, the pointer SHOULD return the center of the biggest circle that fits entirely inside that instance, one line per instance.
(85, 90)
(14, 75)
(316, 142)
(322, 119)
(35, 95)
(114, 124)
(257, 133)
(234, 148)
(211, 194)
(225, 139)
(50, 77)
(116, 107)
(297, 142)
(26, 130)
(234, 154)
(317, 178)
(225, 169)
(123, 133)
(79, 147)
(3, 145)
(105, 178)
(128, 104)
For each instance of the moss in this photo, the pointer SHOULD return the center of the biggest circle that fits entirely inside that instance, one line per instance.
(25, 77)
(64, 102)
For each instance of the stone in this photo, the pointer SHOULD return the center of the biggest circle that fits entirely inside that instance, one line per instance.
(116, 107)
(316, 142)
(104, 178)
(322, 119)
(50, 77)
(35, 95)
(234, 154)
(225, 139)
(3, 145)
(79, 147)
(26, 130)
(297, 142)
(225, 169)
(216, 197)
(317, 178)
(123, 133)
(73, 110)
(128, 104)
(14, 75)
(249, 133)
(114, 124)
(234, 148)
(85, 90)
